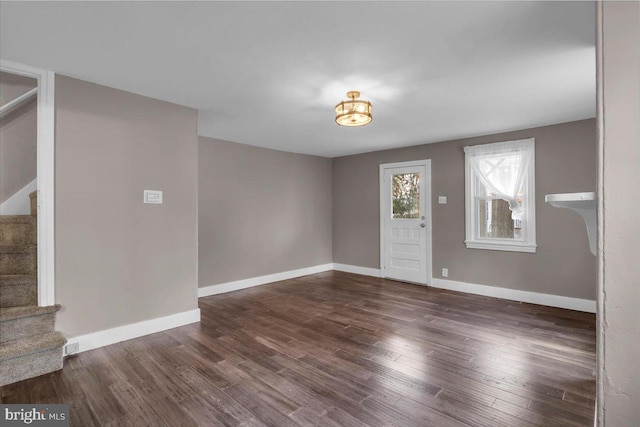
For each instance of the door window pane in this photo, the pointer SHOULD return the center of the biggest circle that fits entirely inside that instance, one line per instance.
(406, 195)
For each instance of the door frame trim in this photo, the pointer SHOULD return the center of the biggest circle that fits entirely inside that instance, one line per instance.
(45, 175)
(429, 220)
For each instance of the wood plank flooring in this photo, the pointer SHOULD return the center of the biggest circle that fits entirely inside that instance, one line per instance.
(337, 349)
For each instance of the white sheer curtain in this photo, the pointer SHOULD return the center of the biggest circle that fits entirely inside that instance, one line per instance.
(502, 168)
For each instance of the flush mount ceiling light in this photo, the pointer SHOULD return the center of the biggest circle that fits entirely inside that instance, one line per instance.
(353, 112)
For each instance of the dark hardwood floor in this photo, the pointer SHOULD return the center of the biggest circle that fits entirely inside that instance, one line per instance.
(337, 349)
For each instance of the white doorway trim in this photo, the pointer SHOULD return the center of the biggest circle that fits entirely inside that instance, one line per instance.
(427, 165)
(45, 175)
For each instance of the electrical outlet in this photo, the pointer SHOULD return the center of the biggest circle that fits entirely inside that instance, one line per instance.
(442, 200)
(445, 272)
(71, 348)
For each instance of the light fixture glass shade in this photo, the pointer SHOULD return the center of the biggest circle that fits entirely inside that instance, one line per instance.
(353, 112)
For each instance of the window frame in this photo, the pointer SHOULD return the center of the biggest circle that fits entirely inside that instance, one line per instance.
(528, 244)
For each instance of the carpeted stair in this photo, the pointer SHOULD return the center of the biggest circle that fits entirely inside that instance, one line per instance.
(29, 344)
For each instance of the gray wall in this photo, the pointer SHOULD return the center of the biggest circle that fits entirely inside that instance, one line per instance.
(261, 211)
(563, 265)
(18, 136)
(619, 231)
(119, 261)
(14, 85)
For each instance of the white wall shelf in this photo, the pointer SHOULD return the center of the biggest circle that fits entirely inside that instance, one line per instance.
(582, 203)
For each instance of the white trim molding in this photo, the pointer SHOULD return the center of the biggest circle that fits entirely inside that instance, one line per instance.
(45, 175)
(134, 330)
(501, 245)
(365, 271)
(578, 304)
(261, 280)
(19, 203)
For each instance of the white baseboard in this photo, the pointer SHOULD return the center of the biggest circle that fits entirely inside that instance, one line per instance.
(261, 280)
(578, 304)
(134, 330)
(19, 203)
(365, 271)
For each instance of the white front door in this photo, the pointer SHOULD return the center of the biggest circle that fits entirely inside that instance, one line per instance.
(405, 225)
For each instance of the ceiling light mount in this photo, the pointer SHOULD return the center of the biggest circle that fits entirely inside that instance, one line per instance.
(353, 112)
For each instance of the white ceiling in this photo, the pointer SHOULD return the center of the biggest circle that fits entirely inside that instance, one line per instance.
(270, 73)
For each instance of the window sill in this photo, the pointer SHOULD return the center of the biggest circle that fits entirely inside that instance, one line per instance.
(510, 247)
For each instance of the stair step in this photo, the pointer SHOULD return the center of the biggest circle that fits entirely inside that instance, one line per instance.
(17, 279)
(18, 249)
(18, 290)
(19, 348)
(13, 313)
(18, 261)
(17, 219)
(18, 230)
(17, 323)
(30, 357)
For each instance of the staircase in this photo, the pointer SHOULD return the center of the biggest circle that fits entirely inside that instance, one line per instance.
(29, 345)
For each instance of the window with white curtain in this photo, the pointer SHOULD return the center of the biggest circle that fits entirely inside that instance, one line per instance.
(500, 196)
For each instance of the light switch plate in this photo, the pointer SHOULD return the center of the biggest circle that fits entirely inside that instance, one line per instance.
(442, 200)
(153, 196)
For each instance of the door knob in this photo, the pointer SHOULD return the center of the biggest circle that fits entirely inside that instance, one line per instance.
(423, 225)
